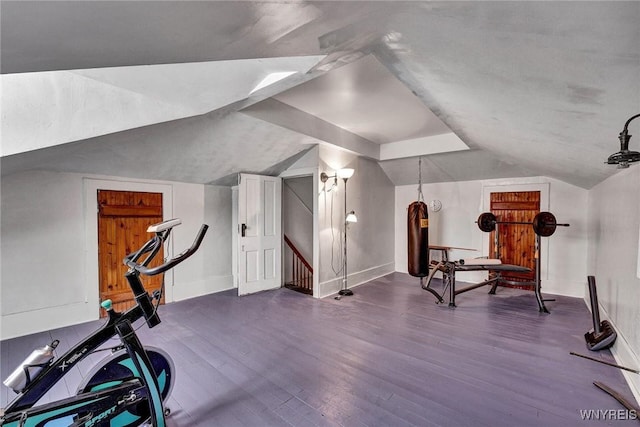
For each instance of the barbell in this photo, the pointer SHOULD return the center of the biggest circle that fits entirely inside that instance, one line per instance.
(544, 223)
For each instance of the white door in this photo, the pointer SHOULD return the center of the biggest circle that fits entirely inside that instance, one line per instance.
(259, 233)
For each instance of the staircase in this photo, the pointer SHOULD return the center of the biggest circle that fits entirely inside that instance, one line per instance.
(302, 280)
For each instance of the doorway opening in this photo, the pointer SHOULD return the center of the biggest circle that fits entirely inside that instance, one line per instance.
(297, 219)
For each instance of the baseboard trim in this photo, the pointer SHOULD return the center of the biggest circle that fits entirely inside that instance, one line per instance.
(48, 318)
(356, 279)
(206, 286)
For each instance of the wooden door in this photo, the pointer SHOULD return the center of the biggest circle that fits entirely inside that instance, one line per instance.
(517, 242)
(123, 218)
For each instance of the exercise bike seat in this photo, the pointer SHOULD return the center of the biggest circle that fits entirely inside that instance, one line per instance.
(164, 225)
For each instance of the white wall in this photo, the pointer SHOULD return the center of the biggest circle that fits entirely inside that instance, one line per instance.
(370, 241)
(302, 187)
(614, 260)
(563, 254)
(209, 270)
(49, 250)
(42, 278)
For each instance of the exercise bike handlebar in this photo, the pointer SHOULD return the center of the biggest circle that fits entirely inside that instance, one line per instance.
(153, 245)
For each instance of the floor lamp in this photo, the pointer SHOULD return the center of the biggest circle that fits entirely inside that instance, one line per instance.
(345, 174)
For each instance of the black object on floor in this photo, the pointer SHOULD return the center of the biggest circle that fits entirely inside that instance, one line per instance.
(603, 335)
(620, 398)
(604, 362)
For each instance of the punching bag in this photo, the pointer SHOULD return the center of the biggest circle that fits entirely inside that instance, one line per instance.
(418, 239)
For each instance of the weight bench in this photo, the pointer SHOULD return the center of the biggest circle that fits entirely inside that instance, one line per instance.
(495, 266)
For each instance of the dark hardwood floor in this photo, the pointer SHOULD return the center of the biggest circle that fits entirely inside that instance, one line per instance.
(386, 356)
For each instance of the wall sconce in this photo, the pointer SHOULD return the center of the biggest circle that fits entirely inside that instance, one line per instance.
(351, 217)
(324, 178)
(344, 173)
(623, 157)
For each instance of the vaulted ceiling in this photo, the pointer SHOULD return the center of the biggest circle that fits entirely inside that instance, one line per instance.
(176, 90)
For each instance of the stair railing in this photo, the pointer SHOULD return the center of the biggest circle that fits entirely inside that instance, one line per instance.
(301, 269)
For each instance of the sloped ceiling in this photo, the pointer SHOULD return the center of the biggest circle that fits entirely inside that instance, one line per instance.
(49, 108)
(530, 88)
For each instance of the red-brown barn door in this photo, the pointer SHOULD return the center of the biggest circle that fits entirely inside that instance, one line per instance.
(123, 218)
(517, 242)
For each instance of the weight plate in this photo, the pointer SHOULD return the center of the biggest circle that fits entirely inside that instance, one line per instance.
(544, 224)
(487, 222)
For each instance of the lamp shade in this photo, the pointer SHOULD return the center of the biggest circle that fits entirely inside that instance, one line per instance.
(351, 217)
(345, 173)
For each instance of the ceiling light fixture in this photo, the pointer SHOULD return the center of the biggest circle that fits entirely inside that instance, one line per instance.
(623, 157)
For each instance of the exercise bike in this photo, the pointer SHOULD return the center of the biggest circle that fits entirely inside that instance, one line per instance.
(125, 389)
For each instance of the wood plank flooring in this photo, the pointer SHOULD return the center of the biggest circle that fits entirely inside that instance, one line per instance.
(386, 356)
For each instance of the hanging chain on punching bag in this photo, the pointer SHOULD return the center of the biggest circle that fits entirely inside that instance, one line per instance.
(418, 233)
(424, 219)
(420, 195)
